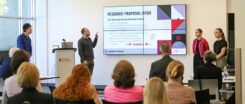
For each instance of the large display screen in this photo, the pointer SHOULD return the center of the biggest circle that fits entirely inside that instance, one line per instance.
(141, 29)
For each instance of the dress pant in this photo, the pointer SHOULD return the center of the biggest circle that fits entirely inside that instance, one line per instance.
(90, 65)
(197, 60)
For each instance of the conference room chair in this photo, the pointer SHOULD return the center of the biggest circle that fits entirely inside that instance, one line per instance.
(202, 84)
(90, 101)
(107, 102)
(202, 97)
(51, 88)
(2, 97)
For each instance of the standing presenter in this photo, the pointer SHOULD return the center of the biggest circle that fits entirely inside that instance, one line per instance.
(85, 48)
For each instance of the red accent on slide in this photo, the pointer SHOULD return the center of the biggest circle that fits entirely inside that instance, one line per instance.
(176, 23)
(158, 45)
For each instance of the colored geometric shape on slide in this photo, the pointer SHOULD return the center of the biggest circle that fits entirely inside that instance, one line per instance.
(182, 26)
(158, 45)
(180, 8)
(180, 32)
(176, 23)
(178, 44)
(175, 14)
(163, 12)
(161, 15)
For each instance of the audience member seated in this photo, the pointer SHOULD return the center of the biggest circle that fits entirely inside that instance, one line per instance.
(5, 69)
(77, 87)
(123, 90)
(158, 68)
(209, 70)
(11, 86)
(28, 79)
(177, 93)
(155, 92)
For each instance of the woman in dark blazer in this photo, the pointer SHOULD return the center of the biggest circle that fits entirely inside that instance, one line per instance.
(28, 79)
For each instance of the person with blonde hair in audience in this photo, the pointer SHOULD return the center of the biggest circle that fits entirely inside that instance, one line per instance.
(77, 87)
(177, 93)
(11, 86)
(123, 90)
(28, 79)
(5, 69)
(155, 92)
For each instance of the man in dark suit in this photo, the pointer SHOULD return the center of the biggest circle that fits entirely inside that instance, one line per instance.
(209, 70)
(158, 68)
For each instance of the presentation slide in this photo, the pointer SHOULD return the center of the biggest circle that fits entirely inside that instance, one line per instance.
(141, 29)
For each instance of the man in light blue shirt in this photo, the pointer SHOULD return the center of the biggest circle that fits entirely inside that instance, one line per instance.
(24, 41)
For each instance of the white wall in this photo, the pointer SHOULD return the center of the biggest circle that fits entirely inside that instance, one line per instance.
(230, 6)
(41, 36)
(239, 36)
(59, 27)
(67, 17)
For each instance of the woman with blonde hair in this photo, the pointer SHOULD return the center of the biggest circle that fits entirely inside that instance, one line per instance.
(77, 87)
(177, 93)
(220, 48)
(155, 92)
(11, 86)
(200, 45)
(28, 79)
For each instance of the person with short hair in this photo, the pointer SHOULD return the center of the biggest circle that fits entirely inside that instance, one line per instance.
(77, 87)
(24, 41)
(155, 92)
(209, 70)
(158, 68)
(200, 45)
(85, 49)
(28, 79)
(5, 69)
(177, 93)
(123, 90)
(11, 86)
(220, 48)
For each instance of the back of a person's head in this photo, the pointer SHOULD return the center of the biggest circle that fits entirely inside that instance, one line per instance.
(123, 74)
(155, 92)
(12, 51)
(76, 86)
(26, 26)
(164, 47)
(175, 70)
(28, 75)
(17, 59)
(80, 73)
(209, 56)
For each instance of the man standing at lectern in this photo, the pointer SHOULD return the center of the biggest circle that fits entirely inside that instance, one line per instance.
(85, 48)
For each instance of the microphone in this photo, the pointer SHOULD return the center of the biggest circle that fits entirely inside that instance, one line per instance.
(65, 45)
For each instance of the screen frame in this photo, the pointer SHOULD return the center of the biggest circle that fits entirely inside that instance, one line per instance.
(143, 41)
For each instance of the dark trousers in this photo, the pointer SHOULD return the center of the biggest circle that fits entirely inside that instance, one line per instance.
(197, 60)
(91, 66)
